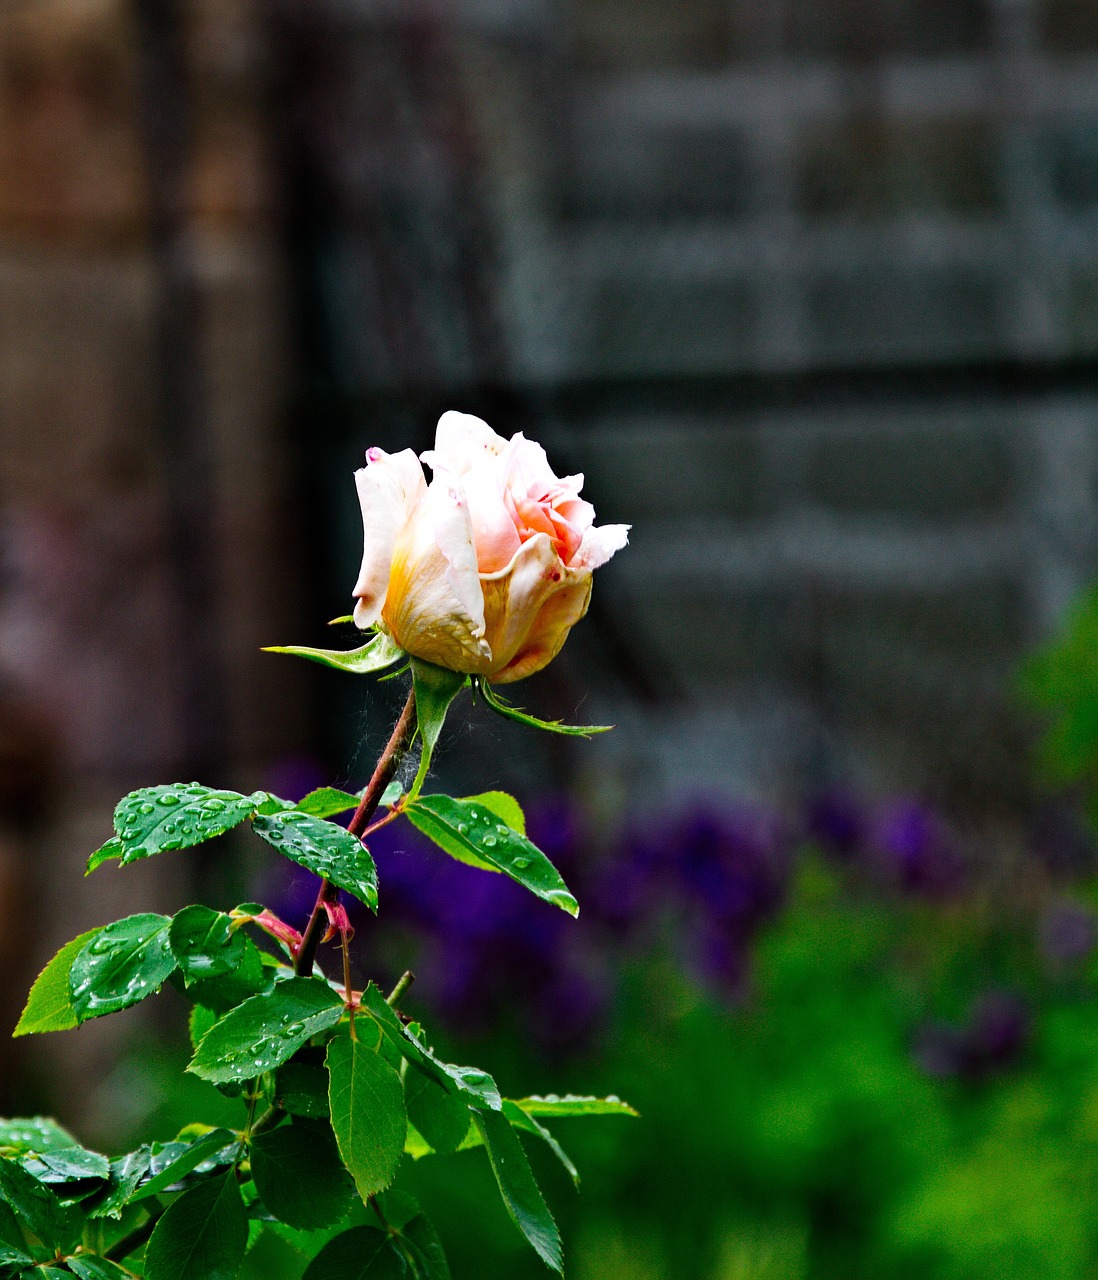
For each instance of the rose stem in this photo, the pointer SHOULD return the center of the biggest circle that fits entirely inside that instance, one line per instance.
(387, 765)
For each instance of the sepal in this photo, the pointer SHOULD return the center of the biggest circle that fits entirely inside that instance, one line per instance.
(375, 655)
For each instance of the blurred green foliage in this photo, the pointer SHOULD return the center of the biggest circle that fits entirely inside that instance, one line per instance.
(798, 1135)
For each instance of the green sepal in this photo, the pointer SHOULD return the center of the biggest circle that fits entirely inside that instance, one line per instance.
(470, 831)
(368, 1115)
(517, 1186)
(125, 962)
(49, 1006)
(265, 1031)
(299, 1176)
(324, 848)
(435, 688)
(504, 708)
(374, 655)
(202, 1236)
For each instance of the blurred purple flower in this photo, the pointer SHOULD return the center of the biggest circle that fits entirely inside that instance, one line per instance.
(733, 864)
(838, 823)
(916, 850)
(993, 1038)
(1067, 933)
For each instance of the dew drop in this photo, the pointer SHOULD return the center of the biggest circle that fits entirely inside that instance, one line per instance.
(489, 842)
(168, 799)
(463, 828)
(146, 808)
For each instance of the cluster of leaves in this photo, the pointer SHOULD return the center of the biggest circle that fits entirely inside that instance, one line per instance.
(339, 1084)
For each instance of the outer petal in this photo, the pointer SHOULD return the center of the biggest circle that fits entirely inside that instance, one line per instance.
(599, 545)
(435, 606)
(463, 442)
(530, 607)
(389, 488)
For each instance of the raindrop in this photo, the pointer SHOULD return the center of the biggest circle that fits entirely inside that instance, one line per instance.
(463, 828)
(489, 842)
(168, 799)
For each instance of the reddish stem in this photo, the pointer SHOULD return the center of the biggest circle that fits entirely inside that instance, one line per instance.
(387, 765)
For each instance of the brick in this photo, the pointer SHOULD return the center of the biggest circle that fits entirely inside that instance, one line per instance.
(1068, 27)
(647, 466)
(653, 325)
(927, 474)
(646, 173)
(871, 168)
(867, 30)
(645, 35)
(897, 314)
(1073, 165)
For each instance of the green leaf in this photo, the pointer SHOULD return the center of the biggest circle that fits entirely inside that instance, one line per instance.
(325, 849)
(527, 1124)
(476, 1084)
(471, 831)
(69, 1164)
(205, 943)
(57, 1226)
(202, 1236)
(516, 1182)
(177, 816)
(200, 1021)
(12, 1256)
(302, 1090)
(126, 1173)
(326, 802)
(49, 1005)
(363, 1253)
(89, 1266)
(505, 708)
(368, 1116)
(105, 853)
(574, 1105)
(125, 962)
(441, 1117)
(174, 1160)
(506, 808)
(375, 655)
(299, 1176)
(38, 1134)
(424, 1250)
(435, 688)
(392, 793)
(263, 1032)
(250, 978)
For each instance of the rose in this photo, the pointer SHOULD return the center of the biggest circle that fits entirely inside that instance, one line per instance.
(487, 568)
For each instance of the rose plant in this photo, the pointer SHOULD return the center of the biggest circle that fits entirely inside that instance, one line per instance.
(471, 580)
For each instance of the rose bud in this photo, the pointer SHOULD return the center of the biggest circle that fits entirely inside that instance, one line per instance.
(487, 568)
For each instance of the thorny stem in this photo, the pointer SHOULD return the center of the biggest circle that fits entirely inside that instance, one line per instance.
(387, 765)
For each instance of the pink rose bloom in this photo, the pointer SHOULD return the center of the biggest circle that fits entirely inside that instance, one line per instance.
(487, 568)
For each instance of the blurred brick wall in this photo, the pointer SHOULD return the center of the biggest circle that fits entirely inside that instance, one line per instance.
(92, 636)
(807, 289)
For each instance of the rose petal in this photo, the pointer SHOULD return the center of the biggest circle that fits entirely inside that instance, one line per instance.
(599, 545)
(463, 442)
(389, 487)
(515, 602)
